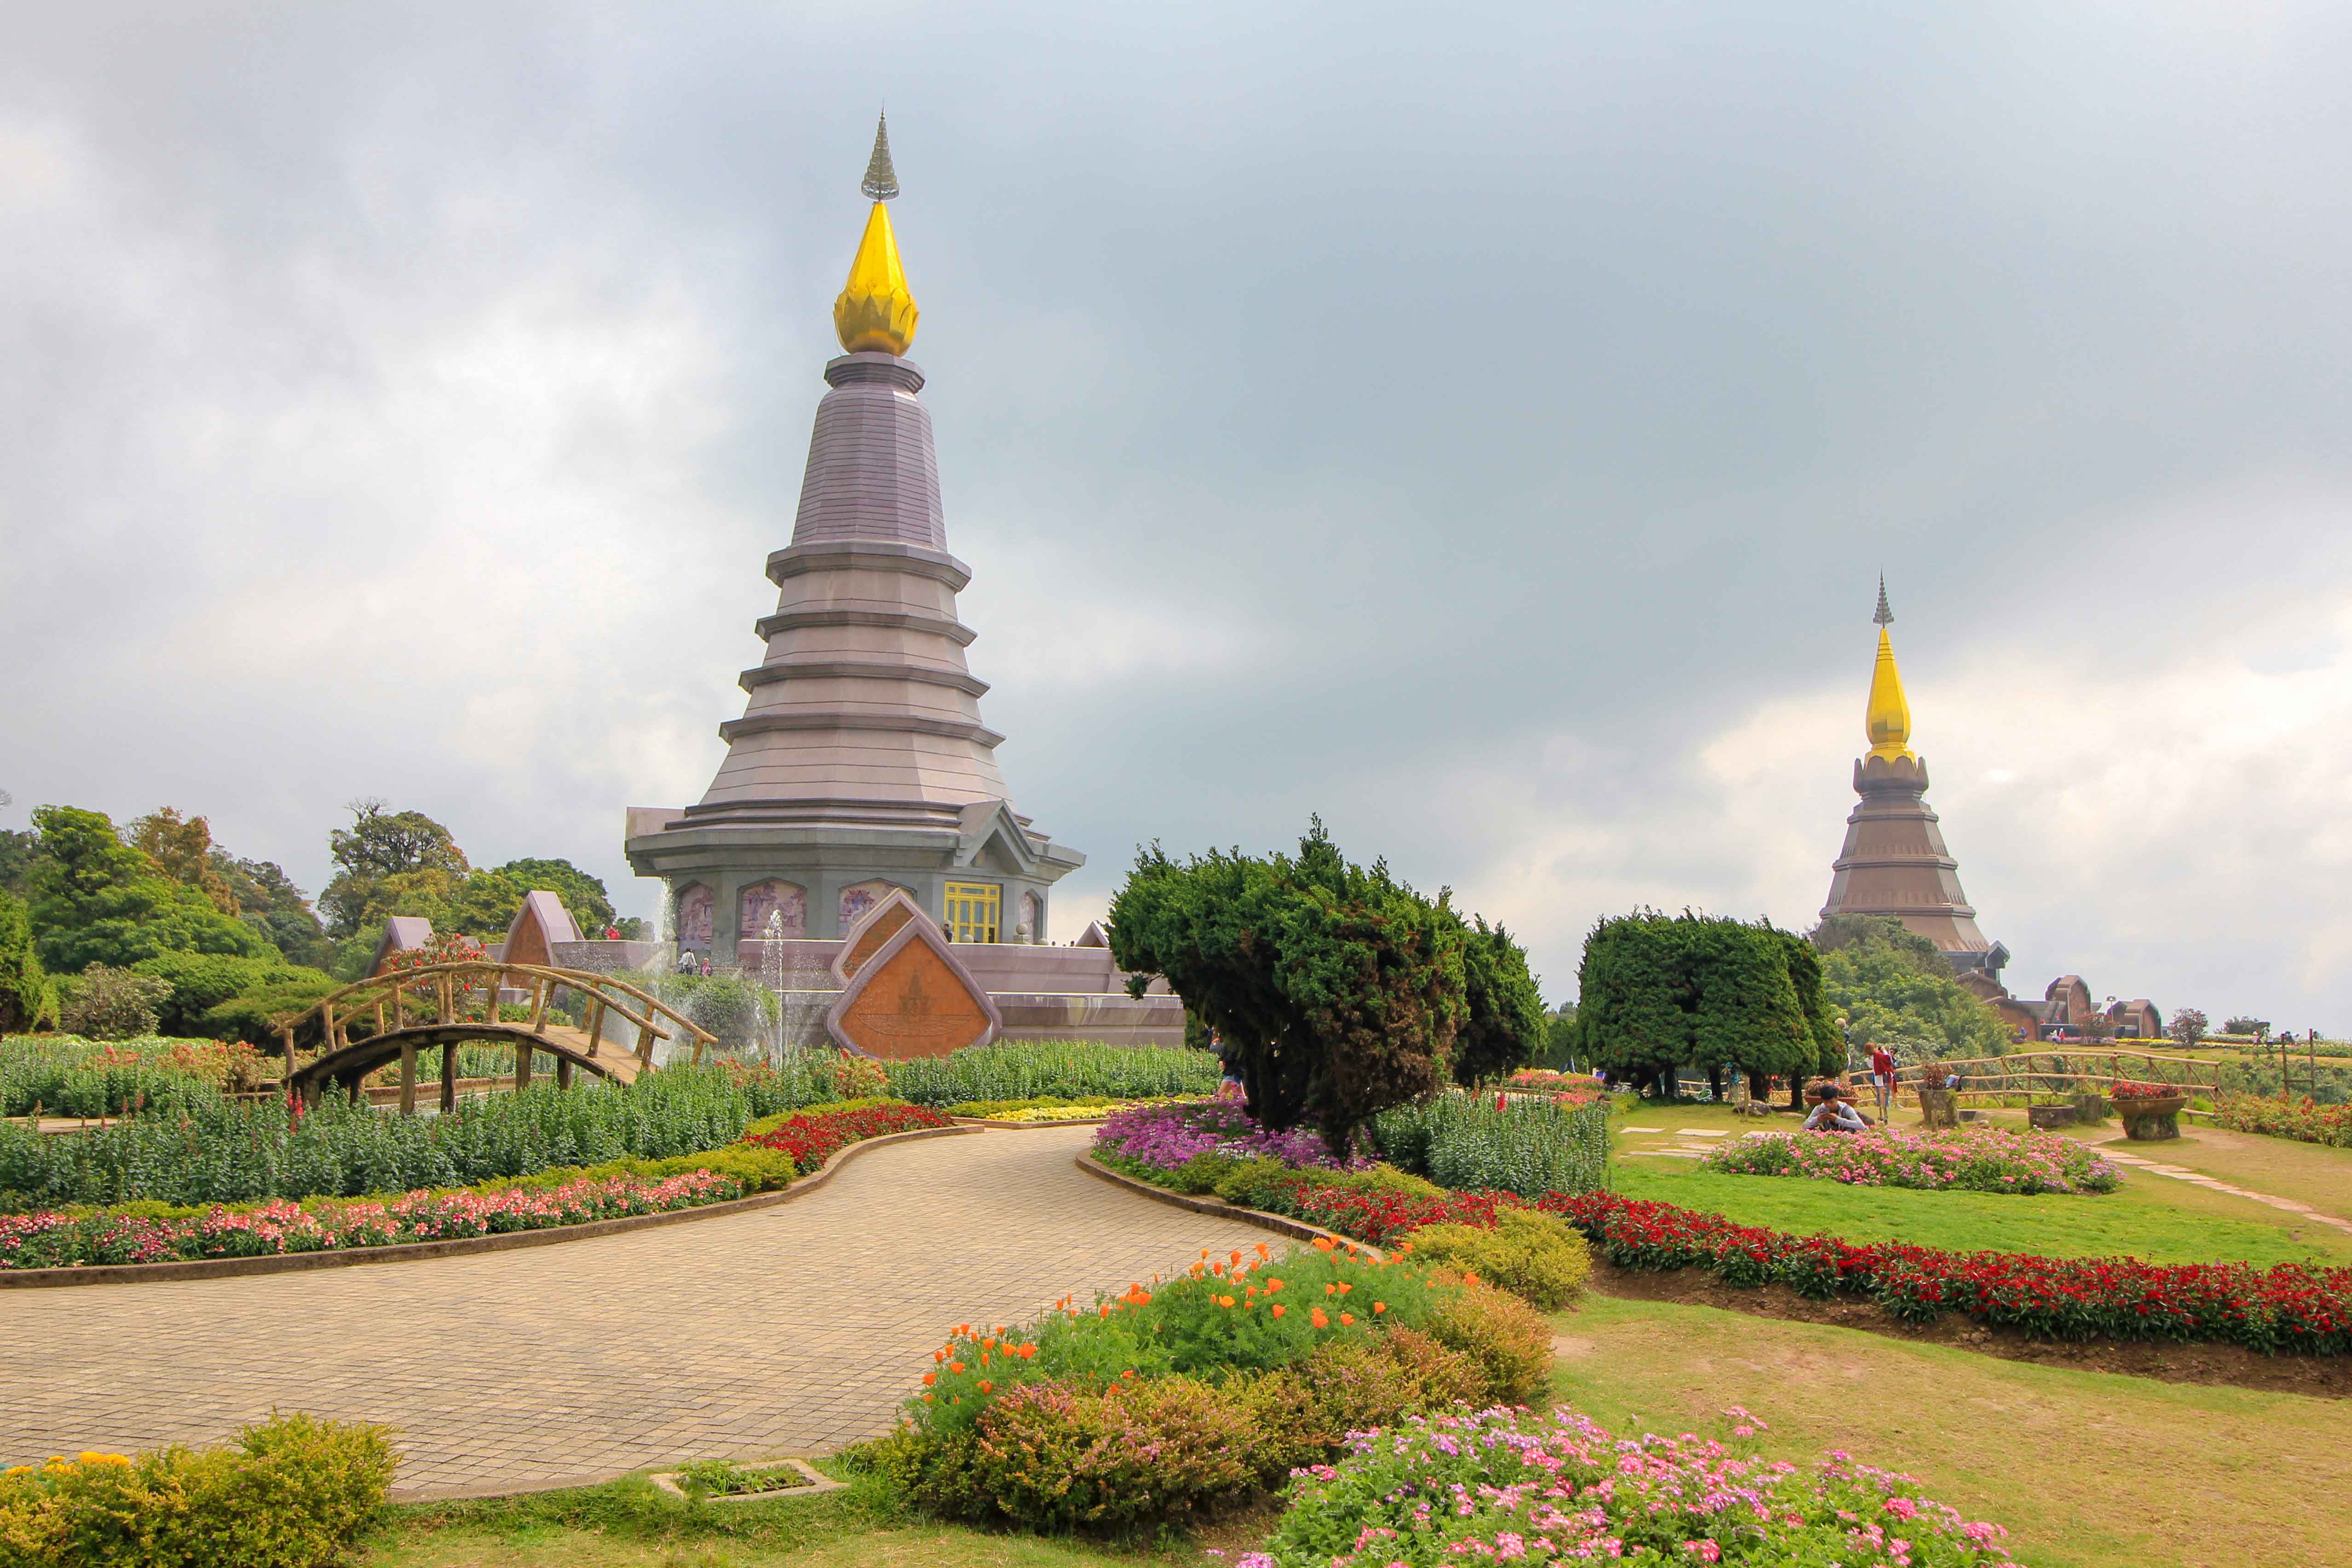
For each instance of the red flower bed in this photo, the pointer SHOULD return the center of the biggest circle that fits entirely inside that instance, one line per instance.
(2290, 1307)
(813, 1138)
(1380, 1217)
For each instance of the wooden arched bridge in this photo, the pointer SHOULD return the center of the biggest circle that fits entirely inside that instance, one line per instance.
(396, 1014)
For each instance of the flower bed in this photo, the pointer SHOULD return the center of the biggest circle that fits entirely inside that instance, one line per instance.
(2291, 1307)
(1503, 1485)
(1174, 1397)
(1160, 1138)
(2304, 1120)
(1575, 1089)
(1971, 1159)
(2129, 1090)
(61, 1240)
(813, 1136)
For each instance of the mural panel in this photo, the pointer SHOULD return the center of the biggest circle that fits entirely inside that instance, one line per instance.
(694, 917)
(761, 899)
(856, 900)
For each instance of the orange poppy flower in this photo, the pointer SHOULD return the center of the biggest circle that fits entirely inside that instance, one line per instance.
(955, 1366)
(1320, 1320)
(1347, 1320)
(1379, 1307)
(986, 1386)
(929, 1378)
(1279, 1309)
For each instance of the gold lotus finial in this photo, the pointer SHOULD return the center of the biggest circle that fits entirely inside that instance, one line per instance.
(876, 312)
(1887, 720)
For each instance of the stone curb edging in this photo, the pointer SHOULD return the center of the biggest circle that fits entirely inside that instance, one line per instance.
(296, 1262)
(1281, 1225)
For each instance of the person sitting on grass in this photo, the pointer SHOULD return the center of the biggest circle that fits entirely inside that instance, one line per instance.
(1835, 1115)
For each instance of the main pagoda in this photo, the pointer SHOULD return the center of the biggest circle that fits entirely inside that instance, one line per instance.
(860, 764)
(1895, 862)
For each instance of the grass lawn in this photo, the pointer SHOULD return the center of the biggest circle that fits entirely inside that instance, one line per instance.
(628, 1524)
(2308, 1172)
(2149, 1217)
(2086, 1469)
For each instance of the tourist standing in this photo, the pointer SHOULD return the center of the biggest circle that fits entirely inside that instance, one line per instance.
(1881, 1080)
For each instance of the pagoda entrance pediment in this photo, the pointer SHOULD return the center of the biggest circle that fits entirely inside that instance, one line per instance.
(909, 996)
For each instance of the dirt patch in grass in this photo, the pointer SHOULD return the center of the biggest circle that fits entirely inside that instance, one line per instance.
(2325, 1377)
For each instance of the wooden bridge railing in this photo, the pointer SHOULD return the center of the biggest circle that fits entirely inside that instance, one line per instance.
(387, 1001)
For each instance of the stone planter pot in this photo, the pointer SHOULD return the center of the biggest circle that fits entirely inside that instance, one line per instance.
(1938, 1108)
(2151, 1120)
(2048, 1118)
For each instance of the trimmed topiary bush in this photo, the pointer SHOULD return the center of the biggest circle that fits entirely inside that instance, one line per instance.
(294, 1492)
(1501, 1334)
(1536, 1257)
(203, 981)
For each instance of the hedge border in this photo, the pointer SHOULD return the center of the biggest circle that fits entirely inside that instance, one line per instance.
(1027, 1126)
(455, 1246)
(1281, 1224)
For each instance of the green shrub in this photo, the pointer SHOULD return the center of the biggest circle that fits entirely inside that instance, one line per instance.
(220, 1150)
(1527, 1145)
(1304, 1414)
(28, 998)
(1382, 1178)
(294, 1492)
(1250, 1182)
(1035, 1102)
(1025, 1070)
(252, 1015)
(1059, 1455)
(203, 981)
(1502, 1334)
(1536, 1257)
(107, 1004)
(1200, 1174)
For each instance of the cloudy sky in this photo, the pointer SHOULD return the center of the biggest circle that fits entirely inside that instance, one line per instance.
(1483, 425)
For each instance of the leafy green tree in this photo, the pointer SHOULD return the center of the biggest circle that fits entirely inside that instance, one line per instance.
(28, 998)
(18, 851)
(1560, 1052)
(484, 905)
(96, 899)
(273, 906)
(1657, 994)
(181, 848)
(1339, 991)
(2188, 1027)
(388, 863)
(584, 895)
(1504, 1027)
(1895, 989)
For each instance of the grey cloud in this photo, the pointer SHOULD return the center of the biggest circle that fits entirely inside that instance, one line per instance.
(400, 400)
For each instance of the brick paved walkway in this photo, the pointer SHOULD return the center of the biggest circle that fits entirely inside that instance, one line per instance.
(793, 1329)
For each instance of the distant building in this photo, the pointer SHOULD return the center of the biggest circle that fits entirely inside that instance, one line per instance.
(1894, 863)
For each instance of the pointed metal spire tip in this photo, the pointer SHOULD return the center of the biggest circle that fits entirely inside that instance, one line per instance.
(881, 181)
(1885, 617)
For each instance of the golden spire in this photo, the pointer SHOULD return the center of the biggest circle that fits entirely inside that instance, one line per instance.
(876, 311)
(1888, 720)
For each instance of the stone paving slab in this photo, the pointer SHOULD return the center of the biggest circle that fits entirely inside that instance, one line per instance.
(796, 1329)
